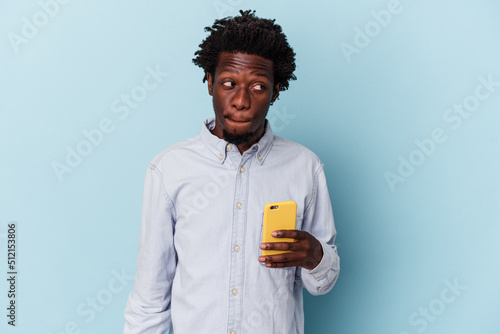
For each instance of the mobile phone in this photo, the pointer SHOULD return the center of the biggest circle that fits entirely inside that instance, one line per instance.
(278, 216)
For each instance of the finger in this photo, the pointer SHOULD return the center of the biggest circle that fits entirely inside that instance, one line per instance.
(285, 257)
(283, 264)
(307, 263)
(292, 246)
(295, 234)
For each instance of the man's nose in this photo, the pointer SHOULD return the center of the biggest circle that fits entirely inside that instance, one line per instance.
(241, 99)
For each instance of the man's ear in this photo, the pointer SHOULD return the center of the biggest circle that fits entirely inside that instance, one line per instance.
(276, 92)
(210, 84)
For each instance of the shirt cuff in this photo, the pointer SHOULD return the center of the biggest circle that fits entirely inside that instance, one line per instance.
(325, 265)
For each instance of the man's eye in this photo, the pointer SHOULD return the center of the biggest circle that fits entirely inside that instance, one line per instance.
(260, 87)
(227, 84)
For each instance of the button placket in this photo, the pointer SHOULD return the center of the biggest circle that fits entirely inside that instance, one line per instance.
(236, 279)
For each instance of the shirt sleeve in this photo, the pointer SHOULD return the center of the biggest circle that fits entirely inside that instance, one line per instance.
(318, 221)
(148, 305)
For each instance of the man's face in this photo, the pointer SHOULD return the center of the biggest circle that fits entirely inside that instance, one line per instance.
(242, 89)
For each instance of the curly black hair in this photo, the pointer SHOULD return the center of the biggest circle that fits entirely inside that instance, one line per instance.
(252, 35)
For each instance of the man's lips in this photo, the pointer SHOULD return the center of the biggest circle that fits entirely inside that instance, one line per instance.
(237, 120)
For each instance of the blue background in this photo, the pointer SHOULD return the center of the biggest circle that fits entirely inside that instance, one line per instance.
(363, 112)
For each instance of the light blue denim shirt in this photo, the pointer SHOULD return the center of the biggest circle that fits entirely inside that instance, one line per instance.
(197, 268)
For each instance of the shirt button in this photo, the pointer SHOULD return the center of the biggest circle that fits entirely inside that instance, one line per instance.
(236, 248)
(239, 205)
(229, 147)
(260, 158)
(221, 157)
(235, 292)
(242, 169)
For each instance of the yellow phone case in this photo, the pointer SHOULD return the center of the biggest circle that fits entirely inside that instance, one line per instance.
(278, 216)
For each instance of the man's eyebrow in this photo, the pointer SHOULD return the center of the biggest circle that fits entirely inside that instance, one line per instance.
(257, 72)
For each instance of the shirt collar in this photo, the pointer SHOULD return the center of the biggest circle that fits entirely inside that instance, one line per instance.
(219, 146)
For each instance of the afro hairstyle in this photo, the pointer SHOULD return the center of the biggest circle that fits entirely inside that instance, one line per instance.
(251, 35)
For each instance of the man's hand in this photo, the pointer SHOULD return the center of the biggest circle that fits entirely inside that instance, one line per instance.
(305, 251)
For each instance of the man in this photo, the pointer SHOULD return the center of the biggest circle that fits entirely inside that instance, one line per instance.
(199, 268)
